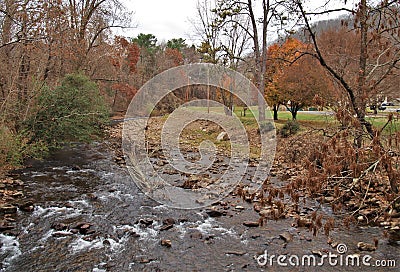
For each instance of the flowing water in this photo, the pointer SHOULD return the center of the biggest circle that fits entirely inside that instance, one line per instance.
(90, 216)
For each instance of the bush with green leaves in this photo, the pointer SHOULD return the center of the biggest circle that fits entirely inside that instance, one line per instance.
(289, 128)
(15, 147)
(73, 111)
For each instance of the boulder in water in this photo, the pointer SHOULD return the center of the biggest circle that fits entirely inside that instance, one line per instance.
(166, 243)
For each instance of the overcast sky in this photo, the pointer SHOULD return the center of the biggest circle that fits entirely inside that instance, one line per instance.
(166, 19)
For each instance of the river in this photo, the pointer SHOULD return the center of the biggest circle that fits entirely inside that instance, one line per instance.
(90, 216)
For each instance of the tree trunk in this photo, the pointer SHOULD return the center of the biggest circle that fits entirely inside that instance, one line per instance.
(360, 103)
(294, 115)
(260, 56)
(294, 108)
(275, 109)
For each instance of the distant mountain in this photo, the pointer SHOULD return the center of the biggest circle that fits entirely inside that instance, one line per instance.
(324, 25)
(318, 27)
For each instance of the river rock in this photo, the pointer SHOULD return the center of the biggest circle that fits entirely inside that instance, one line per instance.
(251, 224)
(59, 234)
(27, 206)
(74, 231)
(286, 236)
(257, 207)
(166, 227)
(317, 253)
(237, 253)
(83, 228)
(366, 247)
(191, 182)
(223, 136)
(119, 160)
(303, 222)
(328, 199)
(215, 213)
(133, 234)
(196, 235)
(161, 163)
(6, 226)
(169, 221)
(68, 205)
(92, 196)
(17, 194)
(145, 260)
(265, 213)
(18, 182)
(7, 209)
(166, 243)
(146, 221)
(59, 226)
(76, 168)
(93, 236)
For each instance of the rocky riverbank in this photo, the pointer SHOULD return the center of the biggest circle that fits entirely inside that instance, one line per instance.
(12, 201)
(90, 216)
(280, 195)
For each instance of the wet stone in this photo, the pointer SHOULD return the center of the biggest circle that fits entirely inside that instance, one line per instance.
(169, 221)
(166, 227)
(92, 196)
(85, 226)
(146, 221)
(6, 226)
(76, 168)
(317, 253)
(166, 243)
(59, 234)
(286, 236)
(236, 253)
(18, 194)
(366, 247)
(7, 209)
(133, 234)
(196, 235)
(27, 206)
(74, 231)
(215, 213)
(223, 136)
(59, 226)
(251, 224)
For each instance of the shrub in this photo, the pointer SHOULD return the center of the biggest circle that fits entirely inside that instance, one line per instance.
(289, 128)
(73, 111)
(14, 148)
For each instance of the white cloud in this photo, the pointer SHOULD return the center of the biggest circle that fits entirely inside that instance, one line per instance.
(166, 19)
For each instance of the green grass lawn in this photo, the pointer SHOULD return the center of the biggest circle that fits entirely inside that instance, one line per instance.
(306, 118)
(380, 122)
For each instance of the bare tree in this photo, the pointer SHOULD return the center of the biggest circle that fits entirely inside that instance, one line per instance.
(260, 22)
(377, 30)
(223, 41)
(377, 38)
(42, 40)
